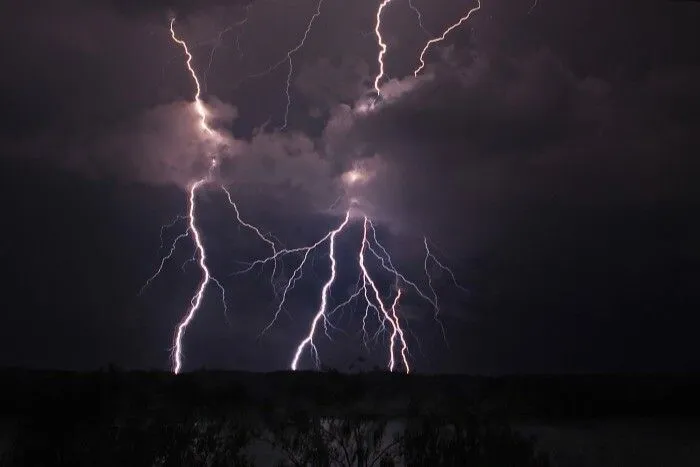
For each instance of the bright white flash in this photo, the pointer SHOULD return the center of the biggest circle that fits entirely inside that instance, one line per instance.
(354, 177)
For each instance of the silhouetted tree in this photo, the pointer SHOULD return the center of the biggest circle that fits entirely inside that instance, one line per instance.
(466, 441)
(310, 440)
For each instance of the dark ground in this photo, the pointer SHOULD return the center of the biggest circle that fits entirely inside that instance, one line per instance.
(578, 420)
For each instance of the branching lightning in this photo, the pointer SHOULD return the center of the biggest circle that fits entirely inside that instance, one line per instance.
(290, 64)
(325, 292)
(164, 259)
(366, 289)
(165, 227)
(192, 230)
(219, 40)
(386, 316)
(206, 277)
(196, 300)
(372, 261)
(442, 37)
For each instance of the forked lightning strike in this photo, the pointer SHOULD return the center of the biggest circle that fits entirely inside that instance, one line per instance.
(398, 332)
(442, 37)
(370, 251)
(276, 256)
(192, 229)
(386, 316)
(325, 293)
(196, 301)
(366, 289)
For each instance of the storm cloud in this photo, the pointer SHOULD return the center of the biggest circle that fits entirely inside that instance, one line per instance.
(550, 152)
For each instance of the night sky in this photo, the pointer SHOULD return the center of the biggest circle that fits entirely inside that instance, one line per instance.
(550, 153)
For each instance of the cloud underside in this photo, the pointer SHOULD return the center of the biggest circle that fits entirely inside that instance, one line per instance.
(485, 128)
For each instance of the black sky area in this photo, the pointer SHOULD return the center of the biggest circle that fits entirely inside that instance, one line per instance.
(550, 153)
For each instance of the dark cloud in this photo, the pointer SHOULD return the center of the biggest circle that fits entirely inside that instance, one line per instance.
(508, 112)
(179, 8)
(499, 130)
(494, 106)
(100, 95)
(325, 84)
(287, 169)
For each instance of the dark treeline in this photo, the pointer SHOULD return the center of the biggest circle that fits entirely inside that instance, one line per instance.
(115, 418)
(531, 397)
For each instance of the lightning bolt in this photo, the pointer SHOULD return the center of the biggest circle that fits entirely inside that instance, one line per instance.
(305, 253)
(198, 104)
(420, 17)
(387, 316)
(534, 5)
(325, 291)
(290, 65)
(430, 256)
(442, 37)
(217, 43)
(366, 289)
(163, 260)
(219, 40)
(266, 238)
(398, 333)
(381, 43)
(196, 300)
(371, 254)
(192, 230)
(170, 225)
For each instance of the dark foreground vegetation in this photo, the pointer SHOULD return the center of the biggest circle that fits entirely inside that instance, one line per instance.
(115, 418)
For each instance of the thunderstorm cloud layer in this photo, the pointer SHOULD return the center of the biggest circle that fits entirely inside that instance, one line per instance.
(527, 144)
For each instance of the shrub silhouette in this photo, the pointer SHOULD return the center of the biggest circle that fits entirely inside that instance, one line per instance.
(162, 441)
(427, 441)
(311, 440)
(104, 424)
(466, 441)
